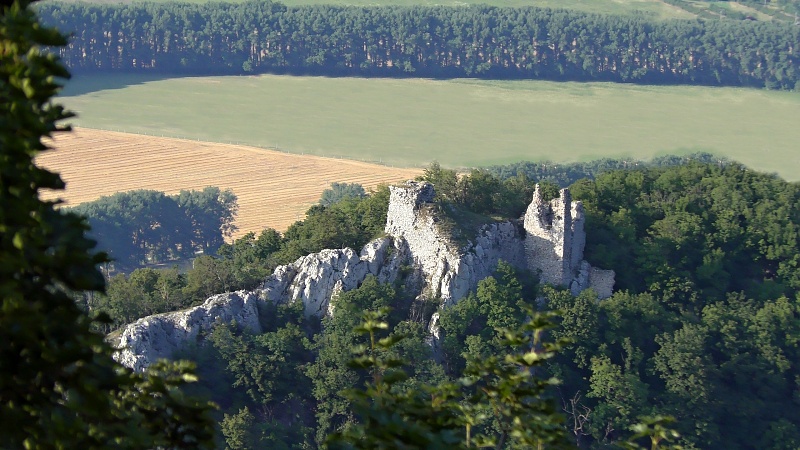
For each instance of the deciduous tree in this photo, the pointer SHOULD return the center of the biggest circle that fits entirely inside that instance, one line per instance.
(59, 386)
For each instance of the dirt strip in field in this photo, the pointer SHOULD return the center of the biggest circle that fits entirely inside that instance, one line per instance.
(274, 189)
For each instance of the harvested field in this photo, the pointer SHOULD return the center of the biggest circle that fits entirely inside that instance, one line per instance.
(274, 189)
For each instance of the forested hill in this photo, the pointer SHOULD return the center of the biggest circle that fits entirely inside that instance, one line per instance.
(482, 41)
(703, 324)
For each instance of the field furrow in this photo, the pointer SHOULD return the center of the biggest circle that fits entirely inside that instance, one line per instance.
(274, 189)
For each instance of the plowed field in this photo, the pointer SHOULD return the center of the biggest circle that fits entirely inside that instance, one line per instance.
(274, 189)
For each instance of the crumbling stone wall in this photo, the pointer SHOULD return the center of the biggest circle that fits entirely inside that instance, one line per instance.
(554, 244)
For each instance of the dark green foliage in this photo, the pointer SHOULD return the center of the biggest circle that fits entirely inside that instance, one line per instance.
(728, 375)
(237, 429)
(694, 231)
(482, 41)
(563, 175)
(470, 200)
(142, 293)
(469, 327)
(503, 390)
(250, 259)
(59, 387)
(733, 372)
(330, 372)
(340, 191)
(258, 380)
(351, 222)
(141, 227)
(258, 363)
(211, 213)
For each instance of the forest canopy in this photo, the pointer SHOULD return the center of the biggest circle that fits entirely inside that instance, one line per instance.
(703, 324)
(422, 41)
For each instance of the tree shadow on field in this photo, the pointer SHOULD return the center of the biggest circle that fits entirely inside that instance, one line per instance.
(81, 84)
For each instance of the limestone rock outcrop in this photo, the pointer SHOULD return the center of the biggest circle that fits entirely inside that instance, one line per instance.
(449, 271)
(151, 338)
(316, 278)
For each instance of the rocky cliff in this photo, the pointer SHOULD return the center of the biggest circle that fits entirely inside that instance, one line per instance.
(449, 270)
(151, 338)
(315, 278)
(550, 241)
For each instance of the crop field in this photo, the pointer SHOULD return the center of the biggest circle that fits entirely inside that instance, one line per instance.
(274, 189)
(460, 123)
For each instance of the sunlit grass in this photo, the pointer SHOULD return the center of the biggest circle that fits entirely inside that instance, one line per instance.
(460, 123)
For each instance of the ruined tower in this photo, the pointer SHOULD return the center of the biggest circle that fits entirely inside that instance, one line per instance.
(554, 243)
(554, 237)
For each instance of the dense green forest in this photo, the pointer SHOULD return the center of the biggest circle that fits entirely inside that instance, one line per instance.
(148, 227)
(502, 43)
(703, 326)
(565, 174)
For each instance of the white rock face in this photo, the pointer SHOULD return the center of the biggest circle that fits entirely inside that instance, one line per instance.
(550, 242)
(312, 279)
(315, 278)
(449, 272)
(435, 337)
(145, 341)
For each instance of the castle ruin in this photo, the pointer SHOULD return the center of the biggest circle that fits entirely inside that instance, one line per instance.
(549, 242)
(554, 243)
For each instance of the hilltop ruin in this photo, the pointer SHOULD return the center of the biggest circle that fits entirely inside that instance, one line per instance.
(549, 241)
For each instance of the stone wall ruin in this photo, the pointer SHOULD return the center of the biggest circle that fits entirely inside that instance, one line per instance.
(550, 241)
(554, 244)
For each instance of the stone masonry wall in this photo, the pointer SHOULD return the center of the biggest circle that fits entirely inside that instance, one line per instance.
(554, 244)
(549, 238)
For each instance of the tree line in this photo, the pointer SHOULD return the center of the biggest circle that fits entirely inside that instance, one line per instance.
(148, 227)
(476, 41)
(565, 174)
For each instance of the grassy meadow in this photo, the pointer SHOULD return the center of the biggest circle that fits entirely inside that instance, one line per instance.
(460, 123)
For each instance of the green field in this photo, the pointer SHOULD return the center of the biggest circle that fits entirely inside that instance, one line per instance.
(460, 123)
